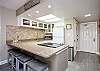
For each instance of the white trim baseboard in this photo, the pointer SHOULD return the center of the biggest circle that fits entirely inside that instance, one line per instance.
(90, 52)
(3, 62)
(86, 51)
(97, 53)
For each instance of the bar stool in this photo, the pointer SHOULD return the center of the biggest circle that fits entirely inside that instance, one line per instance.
(12, 57)
(36, 65)
(23, 60)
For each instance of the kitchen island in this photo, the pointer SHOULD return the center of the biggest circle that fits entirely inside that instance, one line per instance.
(56, 57)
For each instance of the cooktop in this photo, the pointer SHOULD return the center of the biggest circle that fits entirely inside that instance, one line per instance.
(52, 45)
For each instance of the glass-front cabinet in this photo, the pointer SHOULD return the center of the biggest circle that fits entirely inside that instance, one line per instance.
(50, 28)
(34, 23)
(40, 25)
(26, 22)
(45, 26)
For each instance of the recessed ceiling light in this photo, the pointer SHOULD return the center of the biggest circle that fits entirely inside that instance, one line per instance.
(37, 11)
(49, 6)
(53, 20)
(46, 17)
(29, 15)
(88, 15)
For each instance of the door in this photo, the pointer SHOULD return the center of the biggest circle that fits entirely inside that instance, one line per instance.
(75, 37)
(88, 37)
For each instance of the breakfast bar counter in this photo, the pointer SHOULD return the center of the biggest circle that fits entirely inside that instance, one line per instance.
(56, 56)
(33, 47)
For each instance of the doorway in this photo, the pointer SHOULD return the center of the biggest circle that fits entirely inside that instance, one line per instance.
(88, 37)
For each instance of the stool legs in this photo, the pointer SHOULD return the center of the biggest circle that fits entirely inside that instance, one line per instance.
(8, 58)
(12, 62)
(18, 68)
(17, 65)
(24, 67)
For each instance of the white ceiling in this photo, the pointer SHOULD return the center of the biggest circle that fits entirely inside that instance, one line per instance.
(77, 8)
(61, 8)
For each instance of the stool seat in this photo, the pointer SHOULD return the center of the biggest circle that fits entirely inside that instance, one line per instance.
(24, 58)
(37, 65)
(15, 53)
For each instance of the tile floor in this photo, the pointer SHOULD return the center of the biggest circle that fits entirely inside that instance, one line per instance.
(85, 62)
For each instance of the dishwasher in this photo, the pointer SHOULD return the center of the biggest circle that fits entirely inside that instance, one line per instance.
(70, 53)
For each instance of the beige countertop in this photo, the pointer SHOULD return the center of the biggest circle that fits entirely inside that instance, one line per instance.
(32, 47)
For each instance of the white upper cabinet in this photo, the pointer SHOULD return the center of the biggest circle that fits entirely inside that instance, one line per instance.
(35, 24)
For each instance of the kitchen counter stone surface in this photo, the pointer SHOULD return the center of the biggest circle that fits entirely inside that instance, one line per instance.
(32, 47)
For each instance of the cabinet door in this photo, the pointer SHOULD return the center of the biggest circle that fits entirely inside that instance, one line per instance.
(52, 27)
(40, 25)
(26, 22)
(45, 26)
(34, 23)
(49, 27)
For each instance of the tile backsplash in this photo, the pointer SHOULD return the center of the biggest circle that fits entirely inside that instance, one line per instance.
(22, 33)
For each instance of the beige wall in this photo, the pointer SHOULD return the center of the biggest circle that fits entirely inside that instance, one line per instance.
(7, 17)
(70, 35)
(69, 39)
